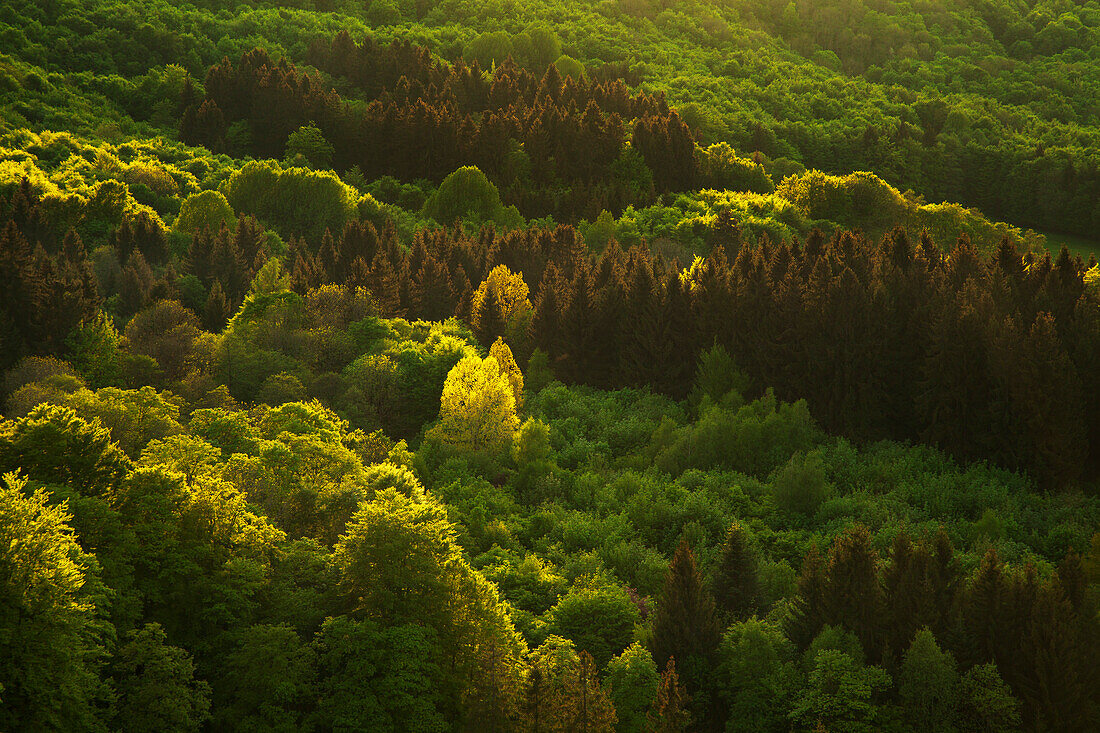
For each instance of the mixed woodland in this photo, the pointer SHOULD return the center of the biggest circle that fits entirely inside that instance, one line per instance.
(417, 365)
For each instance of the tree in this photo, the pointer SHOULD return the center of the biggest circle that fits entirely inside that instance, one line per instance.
(735, 584)
(632, 682)
(93, 350)
(49, 636)
(268, 680)
(801, 485)
(841, 694)
(928, 684)
(477, 412)
(564, 692)
(308, 144)
(987, 702)
(206, 211)
(53, 445)
(756, 676)
(500, 302)
(374, 677)
(400, 564)
(853, 596)
(532, 443)
(468, 194)
(507, 363)
(669, 713)
(598, 619)
(156, 685)
(685, 626)
(717, 376)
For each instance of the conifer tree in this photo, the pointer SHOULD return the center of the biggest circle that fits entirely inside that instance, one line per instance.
(853, 596)
(669, 713)
(808, 616)
(488, 321)
(736, 588)
(686, 626)
(217, 310)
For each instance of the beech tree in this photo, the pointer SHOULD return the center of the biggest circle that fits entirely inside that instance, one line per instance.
(477, 411)
(52, 645)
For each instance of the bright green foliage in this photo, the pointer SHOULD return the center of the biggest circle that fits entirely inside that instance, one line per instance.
(507, 363)
(756, 675)
(207, 210)
(489, 49)
(721, 168)
(467, 194)
(53, 445)
(477, 412)
(755, 439)
(297, 201)
(383, 12)
(532, 442)
(308, 145)
(133, 417)
(400, 564)
(529, 584)
(928, 684)
(49, 642)
(93, 350)
(718, 380)
(632, 685)
(156, 686)
(185, 454)
(598, 619)
(568, 66)
(841, 694)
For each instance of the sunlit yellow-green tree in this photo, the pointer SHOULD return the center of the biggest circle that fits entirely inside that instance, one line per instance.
(477, 411)
(508, 366)
(501, 306)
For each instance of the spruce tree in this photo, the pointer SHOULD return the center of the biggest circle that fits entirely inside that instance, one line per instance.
(853, 596)
(808, 614)
(488, 321)
(736, 588)
(217, 310)
(686, 626)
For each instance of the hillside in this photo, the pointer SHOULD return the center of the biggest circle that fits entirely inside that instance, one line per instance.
(399, 365)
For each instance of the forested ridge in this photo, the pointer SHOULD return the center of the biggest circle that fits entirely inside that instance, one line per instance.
(623, 366)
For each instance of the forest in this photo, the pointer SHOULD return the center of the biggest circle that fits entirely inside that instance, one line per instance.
(635, 365)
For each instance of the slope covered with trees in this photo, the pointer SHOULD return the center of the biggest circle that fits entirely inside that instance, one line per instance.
(429, 366)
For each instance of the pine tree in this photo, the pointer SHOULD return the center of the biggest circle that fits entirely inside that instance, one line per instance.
(736, 588)
(545, 329)
(1058, 664)
(982, 611)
